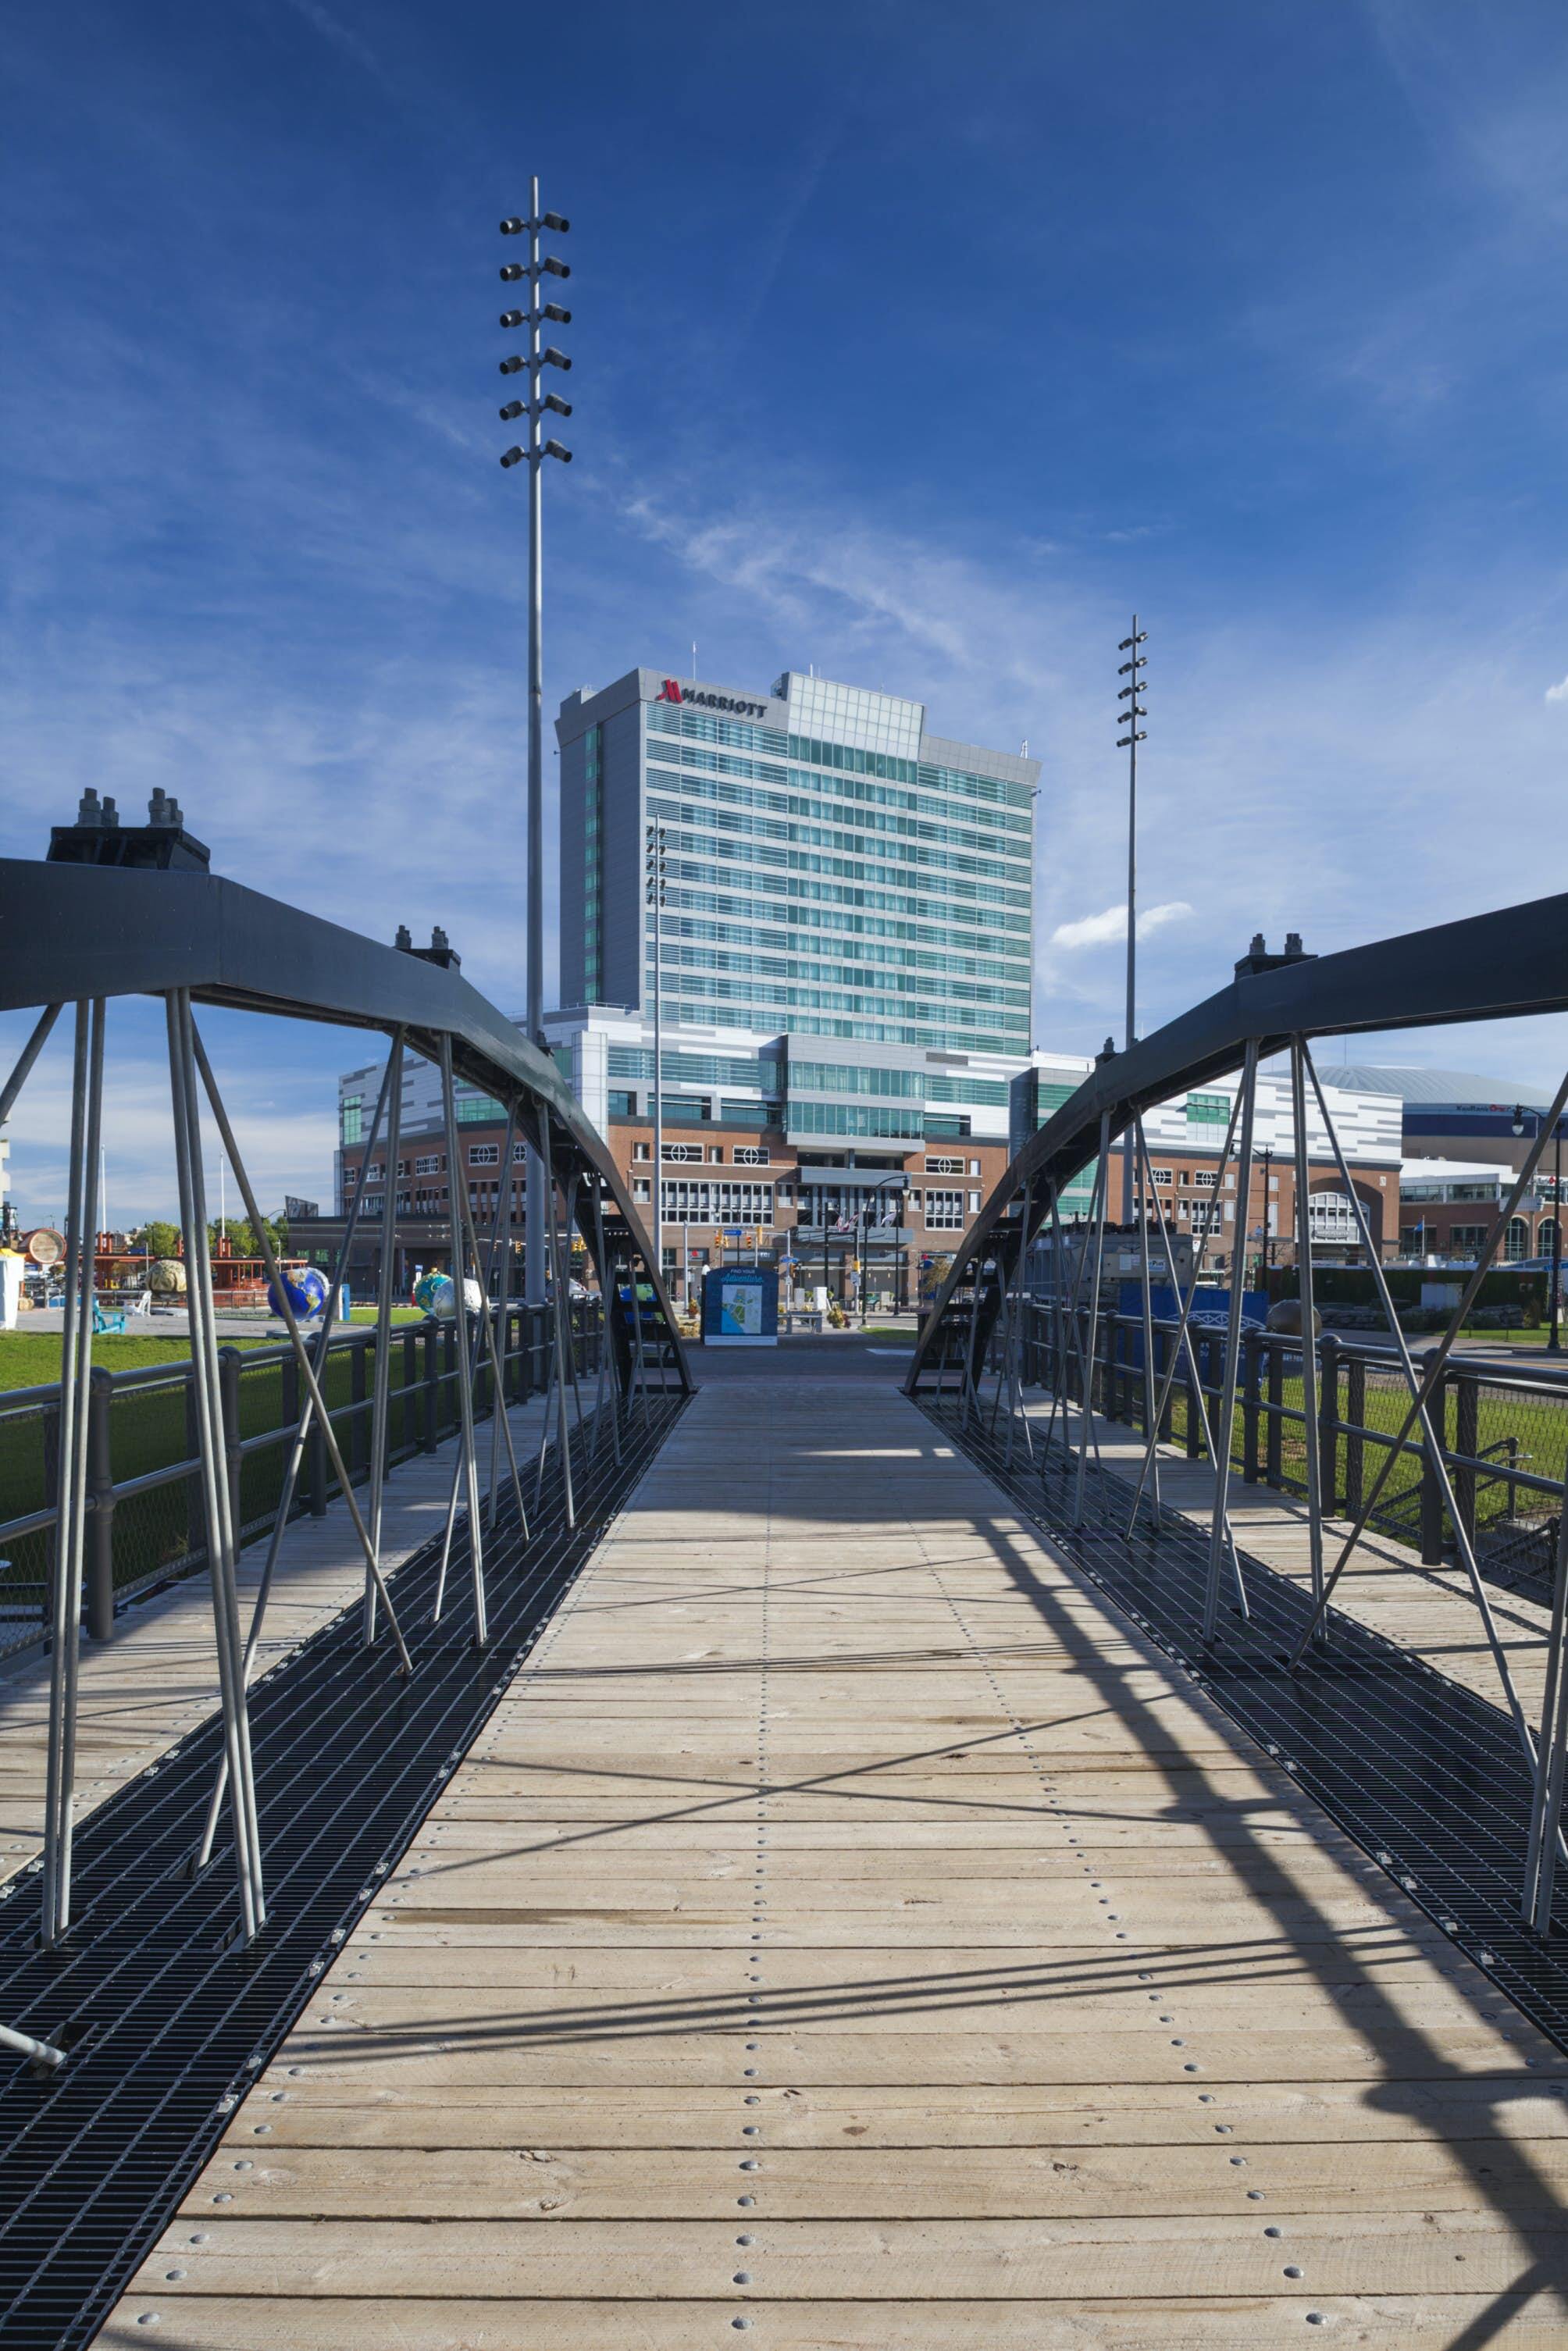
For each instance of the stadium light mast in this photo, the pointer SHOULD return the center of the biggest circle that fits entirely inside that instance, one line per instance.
(1132, 669)
(533, 453)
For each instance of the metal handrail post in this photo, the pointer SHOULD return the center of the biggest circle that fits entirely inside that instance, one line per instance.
(460, 1329)
(381, 1408)
(75, 1372)
(220, 1558)
(1088, 1400)
(1232, 1342)
(1308, 1329)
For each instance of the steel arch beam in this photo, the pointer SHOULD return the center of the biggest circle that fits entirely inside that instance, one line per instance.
(1486, 967)
(70, 931)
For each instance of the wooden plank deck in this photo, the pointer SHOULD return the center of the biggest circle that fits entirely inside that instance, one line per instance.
(846, 1933)
(157, 1679)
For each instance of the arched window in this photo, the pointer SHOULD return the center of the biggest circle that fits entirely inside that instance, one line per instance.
(1546, 1237)
(1518, 1242)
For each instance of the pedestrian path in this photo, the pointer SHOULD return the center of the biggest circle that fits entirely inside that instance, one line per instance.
(845, 1931)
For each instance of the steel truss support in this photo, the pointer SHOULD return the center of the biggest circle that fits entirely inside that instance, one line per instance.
(560, 1344)
(25, 1061)
(1545, 1839)
(1102, 1182)
(1221, 1453)
(204, 1852)
(501, 1430)
(221, 1547)
(1057, 1341)
(467, 1468)
(607, 1400)
(70, 1515)
(501, 1244)
(1308, 1330)
(381, 1407)
(42, 2054)
(1139, 1188)
(297, 1342)
(1421, 1393)
(1184, 1349)
(1009, 1375)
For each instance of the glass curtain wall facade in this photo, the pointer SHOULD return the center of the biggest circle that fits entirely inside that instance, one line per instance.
(834, 869)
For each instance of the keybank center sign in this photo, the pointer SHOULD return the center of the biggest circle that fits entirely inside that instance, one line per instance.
(672, 690)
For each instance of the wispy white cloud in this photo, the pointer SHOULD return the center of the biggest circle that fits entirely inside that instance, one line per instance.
(1558, 692)
(1099, 930)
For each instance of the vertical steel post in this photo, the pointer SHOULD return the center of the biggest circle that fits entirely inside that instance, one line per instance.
(1552, 1752)
(502, 1427)
(1308, 1330)
(1217, 1530)
(1101, 1190)
(501, 1239)
(220, 1552)
(1423, 1392)
(71, 1512)
(1151, 1425)
(460, 1329)
(609, 1386)
(562, 1342)
(381, 1408)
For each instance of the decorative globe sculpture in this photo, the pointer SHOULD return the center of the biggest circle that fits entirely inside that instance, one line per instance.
(1285, 1317)
(305, 1289)
(166, 1277)
(434, 1294)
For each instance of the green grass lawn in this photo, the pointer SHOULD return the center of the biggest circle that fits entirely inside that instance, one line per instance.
(31, 1359)
(1537, 1425)
(149, 1430)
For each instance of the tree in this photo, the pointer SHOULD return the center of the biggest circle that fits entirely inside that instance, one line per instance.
(158, 1239)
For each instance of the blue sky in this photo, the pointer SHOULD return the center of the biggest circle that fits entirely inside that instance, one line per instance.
(917, 343)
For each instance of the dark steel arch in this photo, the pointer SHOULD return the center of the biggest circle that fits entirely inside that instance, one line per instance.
(1486, 967)
(68, 932)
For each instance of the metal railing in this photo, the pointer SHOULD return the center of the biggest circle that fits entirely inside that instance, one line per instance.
(146, 1523)
(1502, 1428)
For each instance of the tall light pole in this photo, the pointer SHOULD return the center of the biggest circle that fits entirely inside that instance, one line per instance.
(653, 878)
(1132, 669)
(533, 272)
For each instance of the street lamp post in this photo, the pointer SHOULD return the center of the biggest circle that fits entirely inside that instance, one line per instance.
(653, 877)
(533, 453)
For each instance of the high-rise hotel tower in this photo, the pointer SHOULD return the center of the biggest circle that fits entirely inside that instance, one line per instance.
(832, 868)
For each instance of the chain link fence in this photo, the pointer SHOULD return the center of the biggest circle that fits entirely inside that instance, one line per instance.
(146, 1525)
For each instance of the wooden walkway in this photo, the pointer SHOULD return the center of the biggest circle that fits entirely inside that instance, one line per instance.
(845, 1932)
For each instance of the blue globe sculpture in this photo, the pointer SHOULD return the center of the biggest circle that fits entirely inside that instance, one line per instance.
(305, 1289)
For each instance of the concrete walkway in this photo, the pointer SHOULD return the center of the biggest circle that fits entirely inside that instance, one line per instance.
(845, 1932)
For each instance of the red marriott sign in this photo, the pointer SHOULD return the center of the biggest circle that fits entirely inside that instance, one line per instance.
(672, 690)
